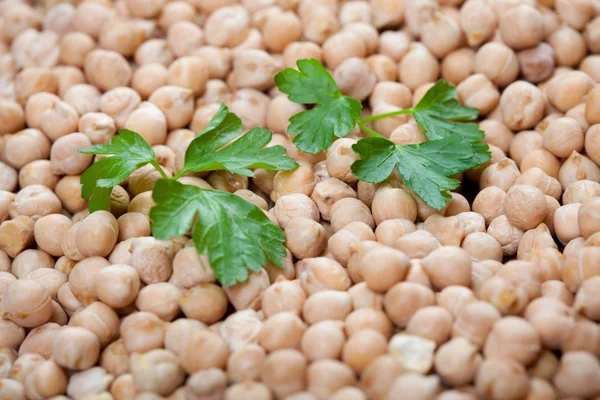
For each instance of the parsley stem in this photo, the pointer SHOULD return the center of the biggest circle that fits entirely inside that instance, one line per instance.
(159, 169)
(386, 115)
(370, 131)
(179, 174)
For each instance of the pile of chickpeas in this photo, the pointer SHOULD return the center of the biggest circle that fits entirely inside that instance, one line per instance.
(497, 296)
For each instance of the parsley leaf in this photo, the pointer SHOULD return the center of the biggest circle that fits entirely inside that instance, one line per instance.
(235, 234)
(248, 151)
(440, 114)
(129, 151)
(425, 167)
(334, 115)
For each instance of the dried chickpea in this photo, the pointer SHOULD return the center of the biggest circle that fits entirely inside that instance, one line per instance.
(569, 46)
(478, 92)
(478, 21)
(579, 84)
(503, 378)
(107, 69)
(498, 62)
(458, 65)
(118, 103)
(577, 167)
(578, 375)
(418, 67)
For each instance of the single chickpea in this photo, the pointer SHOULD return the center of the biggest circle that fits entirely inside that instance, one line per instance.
(458, 65)
(26, 303)
(75, 348)
(489, 203)
(579, 85)
(154, 51)
(322, 273)
(537, 63)
(385, 196)
(478, 92)
(394, 44)
(524, 143)
(521, 26)
(391, 93)
(498, 62)
(383, 67)
(417, 14)
(30, 260)
(107, 69)
(248, 294)
(418, 67)
(339, 159)
(99, 319)
(102, 226)
(12, 334)
(525, 206)
(67, 300)
(12, 116)
(502, 174)
(340, 243)
(426, 386)
(417, 244)
(569, 46)
(150, 122)
(403, 300)
(362, 348)
(581, 191)
(65, 157)
(457, 361)
(563, 136)
(577, 167)
(354, 78)
(475, 321)
(142, 332)
(515, 338)
(478, 21)
(122, 36)
(578, 375)
(114, 358)
(206, 303)
(300, 180)
(522, 105)
(441, 26)
(16, 235)
(281, 331)
(119, 103)
(459, 274)
(413, 353)
(566, 222)
(348, 210)
(592, 141)
(33, 80)
(339, 305)
(325, 377)
(545, 161)
(496, 133)
(74, 47)
(148, 78)
(157, 371)
(447, 230)
(501, 378)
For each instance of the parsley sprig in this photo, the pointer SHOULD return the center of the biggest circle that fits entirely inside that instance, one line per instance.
(236, 235)
(454, 144)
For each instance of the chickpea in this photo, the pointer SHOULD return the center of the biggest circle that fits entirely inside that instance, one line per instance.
(498, 63)
(36, 143)
(447, 230)
(459, 274)
(107, 69)
(441, 26)
(152, 259)
(209, 382)
(501, 378)
(522, 105)
(306, 237)
(418, 67)
(581, 191)
(119, 103)
(322, 273)
(478, 21)
(99, 319)
(591, 143)
(584, 382)
(457, 361)
(157, 371)
(205, 302)
(478, 92)
(91, 383)
(114, 358)
(248, 294)
(417, 244)
(427, 387)
(339, 305)
(16, 235)
(26, 303)
(569, 46)
(75, 348)
(404, 299)
(12, 116)
(67, 300)
(354, 78)
(502, 174)
(340, 243)
(382, 67)
(417, 14)
(74, 47)
(521, 26)
(579, 84)
(577, 167)
(154, 51)
(300, 180)
(413, 353)
(33, 80)
(458, 65)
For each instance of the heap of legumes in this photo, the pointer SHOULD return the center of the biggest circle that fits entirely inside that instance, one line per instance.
(299, 199)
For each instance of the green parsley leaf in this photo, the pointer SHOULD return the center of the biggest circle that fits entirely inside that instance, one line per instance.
(439, 114)
(129, 151)
(236, 235)
(425, 167)
(248, 151)
(334, 115)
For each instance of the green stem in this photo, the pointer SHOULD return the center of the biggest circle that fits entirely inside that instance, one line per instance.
(179, 174)
(370, 131)
(386, 115)
(159, 169)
